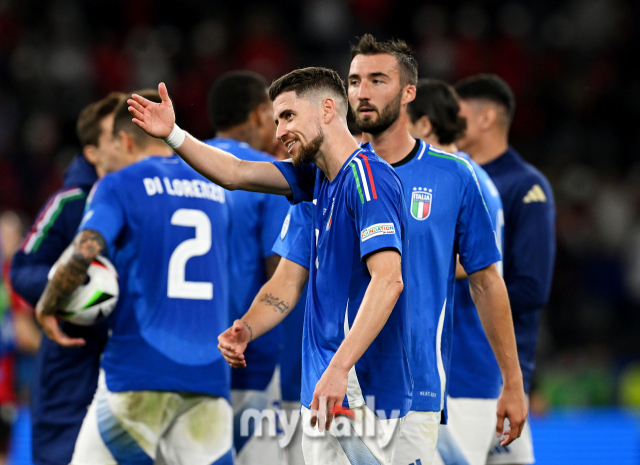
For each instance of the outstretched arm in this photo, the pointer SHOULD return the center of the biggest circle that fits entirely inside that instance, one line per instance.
(489, 294)
(158, 120)
(71, 272)
(272, 304)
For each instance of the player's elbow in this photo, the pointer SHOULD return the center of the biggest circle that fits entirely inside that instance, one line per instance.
(394, 284)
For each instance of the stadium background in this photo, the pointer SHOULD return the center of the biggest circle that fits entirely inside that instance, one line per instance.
(571, 65)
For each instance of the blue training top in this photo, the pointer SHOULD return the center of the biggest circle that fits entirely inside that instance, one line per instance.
(256, 222)
(529, 247)
(474, 370)
(166, 228)
(358, 213)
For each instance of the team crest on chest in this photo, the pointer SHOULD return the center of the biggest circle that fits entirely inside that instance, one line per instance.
(421, 199)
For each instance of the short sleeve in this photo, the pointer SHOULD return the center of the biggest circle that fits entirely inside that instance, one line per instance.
(302, 180)
(476, 240)
(377, 203)
(294, 242)
(105, 212)
(274, 210)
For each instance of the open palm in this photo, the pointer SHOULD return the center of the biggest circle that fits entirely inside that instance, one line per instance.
(156, 119)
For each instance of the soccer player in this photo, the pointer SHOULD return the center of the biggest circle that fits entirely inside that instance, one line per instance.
(355, 319)
(65, 380)
(474, 378)
(448, 218)
(163, 393)
(242, 115)
(488, 105)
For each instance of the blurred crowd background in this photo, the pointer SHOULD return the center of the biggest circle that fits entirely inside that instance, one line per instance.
(571, 63)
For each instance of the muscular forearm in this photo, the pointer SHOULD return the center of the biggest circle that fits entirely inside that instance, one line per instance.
(276, 298)
(379, 300)
(229, 171)
(71, 272)
(490, 297)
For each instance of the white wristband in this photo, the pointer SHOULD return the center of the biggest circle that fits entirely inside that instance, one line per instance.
(176, 138)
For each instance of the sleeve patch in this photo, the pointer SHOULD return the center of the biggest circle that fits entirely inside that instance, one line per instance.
(377, 230)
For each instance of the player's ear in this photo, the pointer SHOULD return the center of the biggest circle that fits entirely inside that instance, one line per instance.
(91, 154)
(328, 109)
(487, 117)
(408, 94)
(127, 142)
(426, 128)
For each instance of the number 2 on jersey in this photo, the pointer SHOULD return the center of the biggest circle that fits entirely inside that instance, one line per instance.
(177, 287)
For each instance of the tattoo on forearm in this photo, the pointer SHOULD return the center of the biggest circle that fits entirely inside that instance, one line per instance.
(250, 330)
(272, 301)
(71, 274)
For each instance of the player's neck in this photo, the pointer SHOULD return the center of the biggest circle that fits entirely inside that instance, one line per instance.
(334, 152)
(433, 141)
(393, 144)
(488, 150)
(153, 150)
(242, 133)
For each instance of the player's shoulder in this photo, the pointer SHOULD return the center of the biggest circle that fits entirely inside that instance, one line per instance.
(451, 162)
(527, 177)
(369, 174)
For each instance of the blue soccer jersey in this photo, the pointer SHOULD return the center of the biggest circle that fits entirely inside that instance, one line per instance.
(447, 217)
(474, 370)
(166, 230)
(294, 243)
(358, 213)
(257, 221)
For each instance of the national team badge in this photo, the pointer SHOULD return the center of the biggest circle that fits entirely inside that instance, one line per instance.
(421, 203)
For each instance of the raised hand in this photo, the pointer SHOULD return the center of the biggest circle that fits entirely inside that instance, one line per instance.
(156, 119)
(233, 342)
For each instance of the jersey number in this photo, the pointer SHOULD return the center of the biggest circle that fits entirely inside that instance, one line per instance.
(177, 287)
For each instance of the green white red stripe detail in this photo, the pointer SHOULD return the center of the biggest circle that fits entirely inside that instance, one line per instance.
(48, 217)
(361, 170)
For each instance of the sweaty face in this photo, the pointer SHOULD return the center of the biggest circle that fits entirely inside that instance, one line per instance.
(375, 93)
(298, 127)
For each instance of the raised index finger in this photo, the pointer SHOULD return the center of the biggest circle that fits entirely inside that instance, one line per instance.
(139, 99)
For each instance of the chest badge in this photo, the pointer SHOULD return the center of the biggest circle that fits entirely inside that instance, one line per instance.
(421, 199)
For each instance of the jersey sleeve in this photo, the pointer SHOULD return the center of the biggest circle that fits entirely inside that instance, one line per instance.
(301, 179)
(274, 210)
(294, 242)
(475, 237)
(376, 200)
(105, 212)
(532, 248)
(53, 230)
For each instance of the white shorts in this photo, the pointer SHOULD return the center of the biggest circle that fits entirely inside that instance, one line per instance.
(146, 427)
(290, 434)
(417, 442)
(262, 447)
(519, 452)
(365, 439)
(470, 431)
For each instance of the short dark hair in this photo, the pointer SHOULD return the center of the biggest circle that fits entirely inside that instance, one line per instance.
(488, 87)
(122, 119)
(88, 125)
(368, 45)
(439, 102)
(306, 80)
(234, 96)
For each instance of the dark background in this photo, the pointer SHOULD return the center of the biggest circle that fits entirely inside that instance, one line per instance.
(570, 63)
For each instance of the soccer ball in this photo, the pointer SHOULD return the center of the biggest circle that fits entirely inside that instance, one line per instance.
(95, 299)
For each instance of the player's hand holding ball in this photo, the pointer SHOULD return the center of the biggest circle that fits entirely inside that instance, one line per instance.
(233, 342)
(328, 395)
